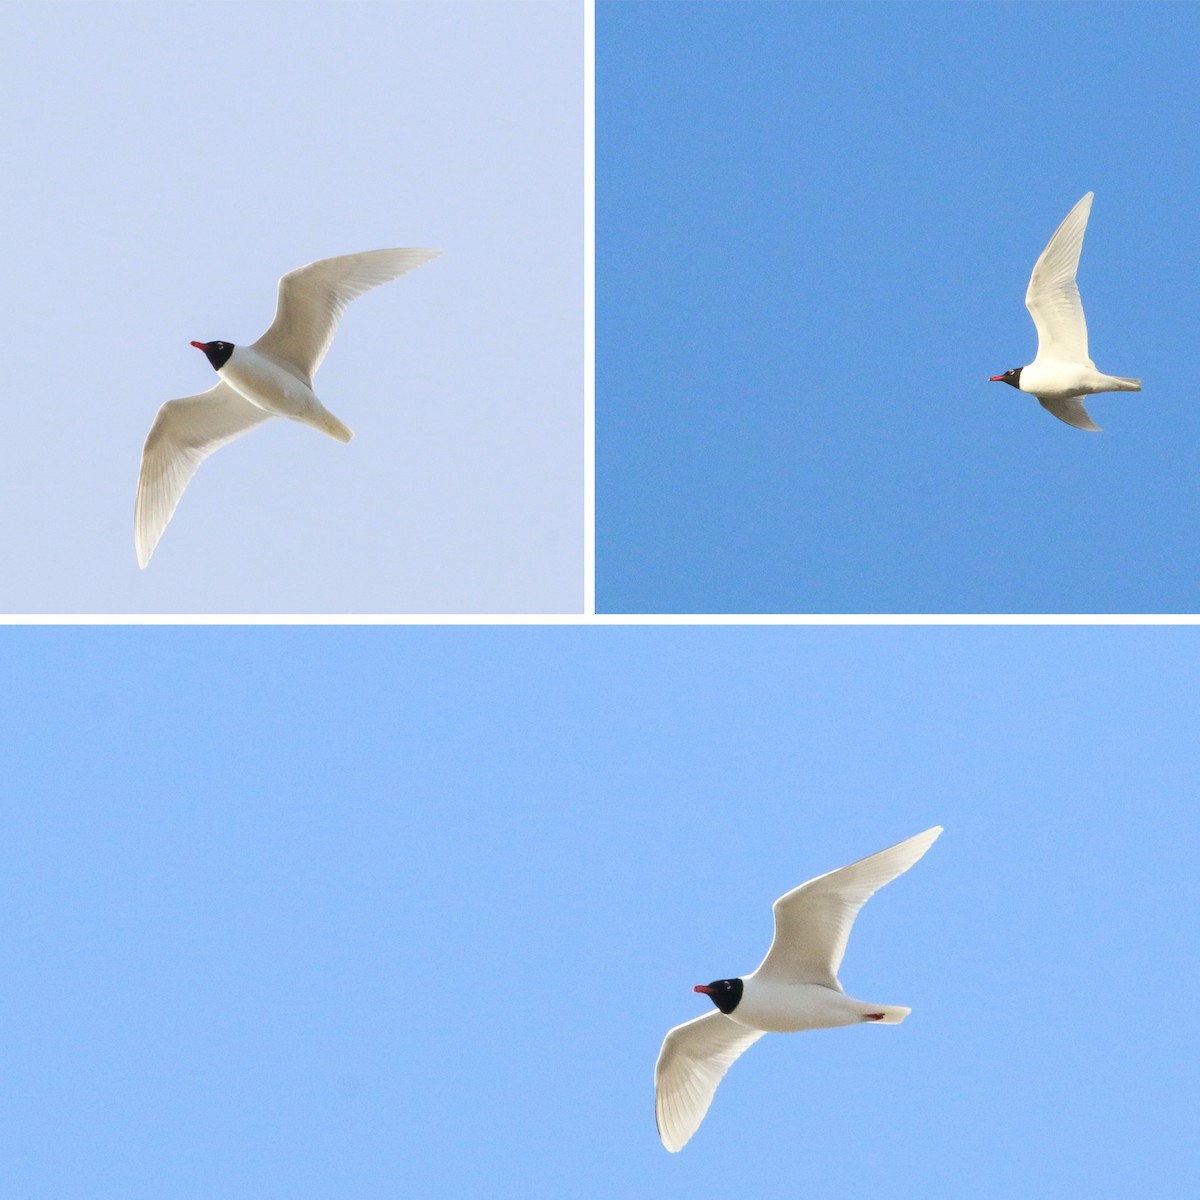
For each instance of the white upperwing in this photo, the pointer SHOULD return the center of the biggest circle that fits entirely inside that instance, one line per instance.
(813, 921)
(1053, 296)
(183, 435)
(1071, 410)
(693, 1060)
(313, 298)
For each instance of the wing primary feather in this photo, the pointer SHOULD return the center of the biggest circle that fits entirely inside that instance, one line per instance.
(1053, 296)
(813, 921)
(313, 298)
(1072, 411)
(184, 433)
(692, 1062)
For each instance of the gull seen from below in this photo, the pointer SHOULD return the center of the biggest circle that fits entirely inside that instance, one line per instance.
(795, 987)
(271, 378)
(1062, 374)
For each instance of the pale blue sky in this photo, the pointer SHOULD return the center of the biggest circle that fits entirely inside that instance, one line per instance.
(815, 227)
(163, 166)
(380, 912)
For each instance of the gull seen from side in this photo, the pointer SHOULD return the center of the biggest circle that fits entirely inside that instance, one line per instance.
(271, 378)
(794, 988)
(1062, 373)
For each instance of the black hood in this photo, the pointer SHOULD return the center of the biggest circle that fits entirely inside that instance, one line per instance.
(724, 993)
(1011, 377)
(217, 353)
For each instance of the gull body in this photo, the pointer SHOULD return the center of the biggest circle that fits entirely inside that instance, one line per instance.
(775, 1007)
(1062, 373)
(277, 388)
(271, 378)
(793, 989)
(274, 387)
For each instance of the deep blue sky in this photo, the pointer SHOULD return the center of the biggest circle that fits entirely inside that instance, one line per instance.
(815, 226)
(164, 165)
(368, 913)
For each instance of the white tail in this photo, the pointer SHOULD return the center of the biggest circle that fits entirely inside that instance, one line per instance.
(887, 1014)
(326, 422)
(1125, 384)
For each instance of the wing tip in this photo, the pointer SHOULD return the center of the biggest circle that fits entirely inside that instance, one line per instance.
(429, 251)
(144, 540)
(145, 549)
(924, 840)
(928, 836)
(669, 1143)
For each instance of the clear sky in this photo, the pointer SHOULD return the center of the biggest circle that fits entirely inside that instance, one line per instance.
(164, 164)
(815, 227)
(400, 912)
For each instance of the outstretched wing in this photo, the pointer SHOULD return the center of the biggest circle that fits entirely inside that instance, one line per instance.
(813, 921)
(313, 298)
(693, 1060)
(1053, 296)
(1070, 410)
(183, 435)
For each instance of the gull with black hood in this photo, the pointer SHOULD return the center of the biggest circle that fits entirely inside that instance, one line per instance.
(1062, 373)
(271, 378)
(794, 988)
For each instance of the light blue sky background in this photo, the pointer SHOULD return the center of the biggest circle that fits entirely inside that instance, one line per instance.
(815, 227)
(382, 912)
(163, 166)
